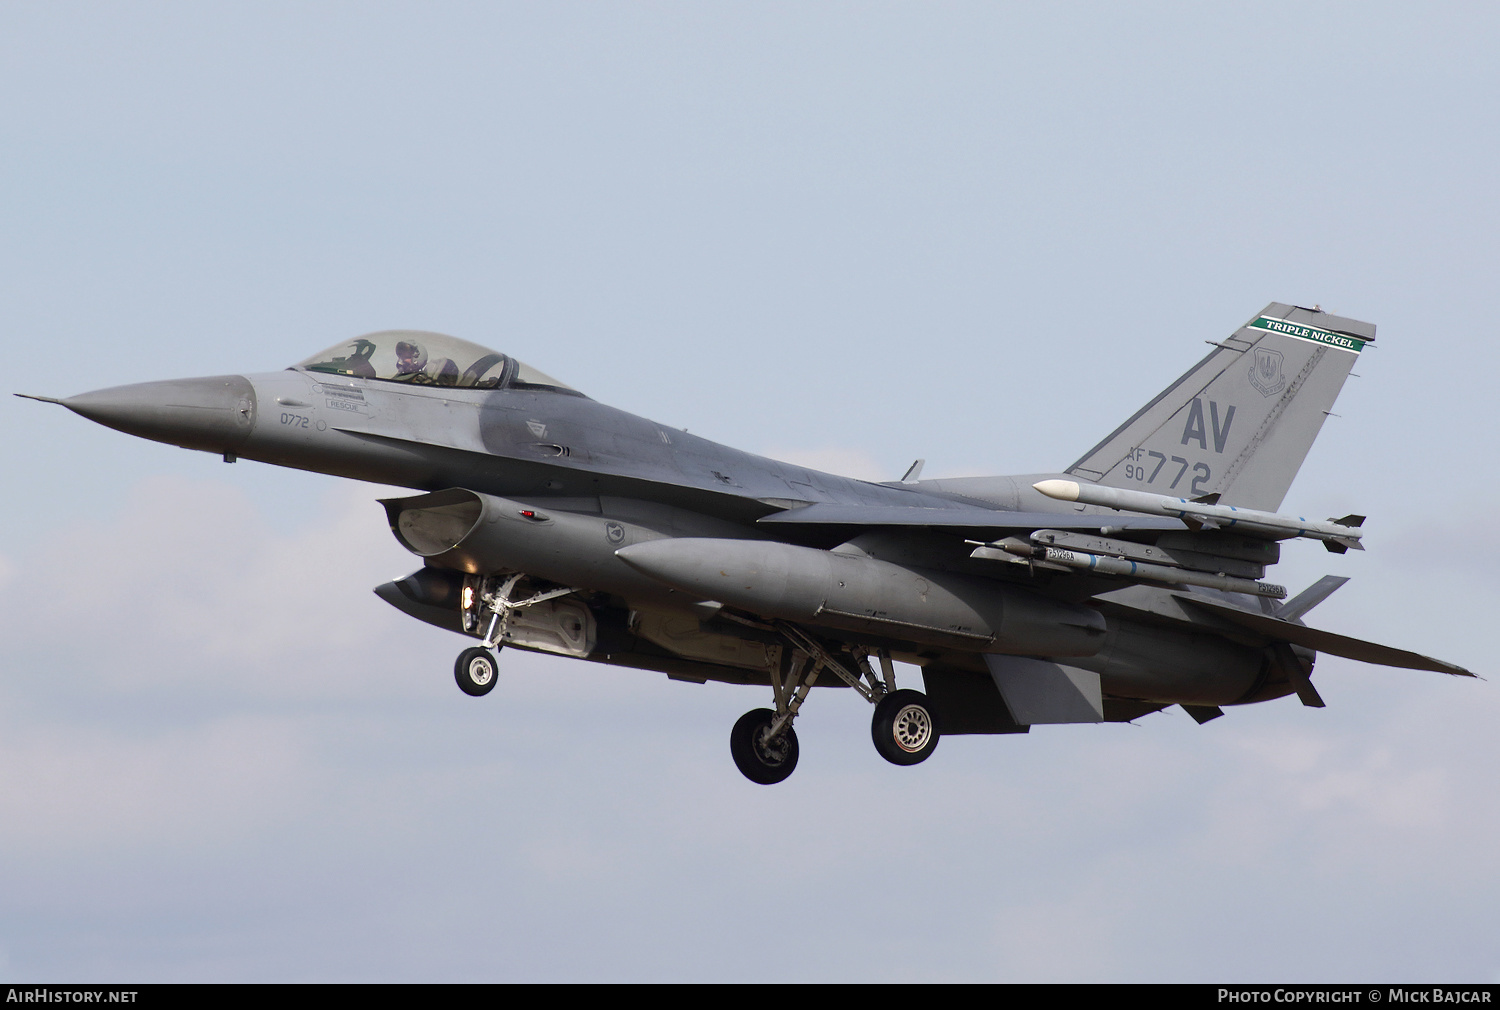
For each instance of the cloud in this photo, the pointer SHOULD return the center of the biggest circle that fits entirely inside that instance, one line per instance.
(71, 788)
(188, 584)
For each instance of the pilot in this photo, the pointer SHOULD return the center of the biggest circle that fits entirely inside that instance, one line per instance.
(410, 359)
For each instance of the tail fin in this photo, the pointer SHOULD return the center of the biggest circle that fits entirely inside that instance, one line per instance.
(1240, 422)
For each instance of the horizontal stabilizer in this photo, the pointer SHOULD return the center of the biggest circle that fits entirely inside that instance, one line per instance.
(1325, 641)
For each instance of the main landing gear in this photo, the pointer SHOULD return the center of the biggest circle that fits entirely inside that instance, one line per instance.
(488, 598)
(903, 729)
(764, 744)
(761, 757)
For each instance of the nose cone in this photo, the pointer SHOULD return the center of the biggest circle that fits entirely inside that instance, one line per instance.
(216, 413)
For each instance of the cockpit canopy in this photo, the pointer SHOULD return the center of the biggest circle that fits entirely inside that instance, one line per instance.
(429, 359)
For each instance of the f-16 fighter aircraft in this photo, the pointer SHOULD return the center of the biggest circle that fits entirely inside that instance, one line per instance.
(1132, 581)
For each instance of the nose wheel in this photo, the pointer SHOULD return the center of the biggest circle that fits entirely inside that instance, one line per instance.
(903, 728)
(476, 672)
(476, 669)
(761, 757)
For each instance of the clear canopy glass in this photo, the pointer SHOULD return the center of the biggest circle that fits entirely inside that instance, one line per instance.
(428, 359)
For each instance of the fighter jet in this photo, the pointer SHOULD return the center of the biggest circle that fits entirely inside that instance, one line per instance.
(1131, 581)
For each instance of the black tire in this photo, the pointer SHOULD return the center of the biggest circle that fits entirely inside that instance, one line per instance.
(903, 728)
(476, 672)
(762, 764)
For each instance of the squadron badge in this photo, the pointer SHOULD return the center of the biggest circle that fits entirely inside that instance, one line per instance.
(1265, 372)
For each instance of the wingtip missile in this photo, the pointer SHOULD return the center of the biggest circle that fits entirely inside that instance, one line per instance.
(1062, 490)
(1206, 515)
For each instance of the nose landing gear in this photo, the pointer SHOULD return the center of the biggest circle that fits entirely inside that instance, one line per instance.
(476, 672)
(477, 669)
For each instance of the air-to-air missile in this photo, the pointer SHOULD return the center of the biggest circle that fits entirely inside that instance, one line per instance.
(1338, 534)
(1110, 558)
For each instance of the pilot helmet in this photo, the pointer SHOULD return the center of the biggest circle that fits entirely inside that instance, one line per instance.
(410, 358)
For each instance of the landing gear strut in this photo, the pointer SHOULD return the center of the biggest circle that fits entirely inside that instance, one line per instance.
(488, 597)
(763, 743)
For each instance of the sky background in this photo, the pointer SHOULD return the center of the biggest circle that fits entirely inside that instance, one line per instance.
(845, 234)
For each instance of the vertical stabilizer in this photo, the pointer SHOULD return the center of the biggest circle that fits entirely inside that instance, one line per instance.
(1240, 422)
